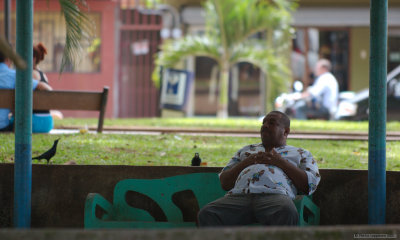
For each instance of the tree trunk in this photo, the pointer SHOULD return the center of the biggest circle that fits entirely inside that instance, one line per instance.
(223, 93)
(268, 86)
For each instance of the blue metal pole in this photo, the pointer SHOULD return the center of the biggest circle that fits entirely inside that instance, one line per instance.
(23, 118)
(377, 113)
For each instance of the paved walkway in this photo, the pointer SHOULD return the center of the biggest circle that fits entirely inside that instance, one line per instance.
(245, 233)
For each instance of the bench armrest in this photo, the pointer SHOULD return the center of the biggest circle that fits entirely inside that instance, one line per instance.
(92, 201)
(308, 211)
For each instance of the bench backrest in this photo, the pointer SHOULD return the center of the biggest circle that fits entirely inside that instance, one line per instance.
(165, 203)
(206, 187)
(62, 100)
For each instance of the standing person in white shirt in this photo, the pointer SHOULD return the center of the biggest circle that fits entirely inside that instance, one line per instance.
(262, 180)
(323, 93)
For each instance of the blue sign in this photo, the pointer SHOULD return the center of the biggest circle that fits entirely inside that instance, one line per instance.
(175, 85)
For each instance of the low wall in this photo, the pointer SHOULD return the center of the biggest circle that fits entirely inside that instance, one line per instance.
(59, 192)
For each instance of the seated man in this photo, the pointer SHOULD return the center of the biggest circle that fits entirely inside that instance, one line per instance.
(7, 81)
(324, 94)
(263, 179)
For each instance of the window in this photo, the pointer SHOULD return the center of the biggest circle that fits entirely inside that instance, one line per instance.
(49, 28)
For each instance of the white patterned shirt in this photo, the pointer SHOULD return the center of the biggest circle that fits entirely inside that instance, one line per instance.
(265, 178)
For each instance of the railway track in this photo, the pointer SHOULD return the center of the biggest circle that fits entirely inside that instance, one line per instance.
(322, 135)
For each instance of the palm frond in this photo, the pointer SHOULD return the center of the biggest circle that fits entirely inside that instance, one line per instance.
(241, 19)
(173, 51)
(267, 60)
(78, 28)
(9, 52)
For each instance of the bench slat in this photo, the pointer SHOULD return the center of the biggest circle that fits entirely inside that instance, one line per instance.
(7, 98)
(62, 100)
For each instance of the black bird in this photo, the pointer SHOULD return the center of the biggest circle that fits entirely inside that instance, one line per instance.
(196, 160)
(49, 154)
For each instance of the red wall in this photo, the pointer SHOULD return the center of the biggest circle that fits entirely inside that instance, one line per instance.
(93, 81)
(89, 81)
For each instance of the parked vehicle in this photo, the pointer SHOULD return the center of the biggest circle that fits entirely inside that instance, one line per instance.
(287, 102)
(356, 108)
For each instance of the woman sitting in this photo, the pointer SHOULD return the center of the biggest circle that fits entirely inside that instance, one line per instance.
(42, 120)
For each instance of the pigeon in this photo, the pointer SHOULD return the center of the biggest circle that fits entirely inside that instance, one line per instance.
(196, 160)
(49, 154)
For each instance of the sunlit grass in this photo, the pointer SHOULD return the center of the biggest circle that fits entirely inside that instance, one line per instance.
(231, 123)
(178, 150)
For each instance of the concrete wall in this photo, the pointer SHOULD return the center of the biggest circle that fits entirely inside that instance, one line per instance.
(59, 192)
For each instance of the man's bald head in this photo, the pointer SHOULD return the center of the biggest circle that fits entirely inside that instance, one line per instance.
(285, 119)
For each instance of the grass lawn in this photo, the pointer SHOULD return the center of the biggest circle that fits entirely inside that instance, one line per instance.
(170, 149)
(231, 123)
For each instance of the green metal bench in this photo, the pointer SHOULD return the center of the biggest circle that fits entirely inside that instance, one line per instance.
(164, 194)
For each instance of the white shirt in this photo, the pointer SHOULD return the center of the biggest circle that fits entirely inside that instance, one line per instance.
(264, 178)
(326, 90)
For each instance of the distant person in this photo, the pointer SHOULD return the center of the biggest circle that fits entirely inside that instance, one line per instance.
(39, 51)
(322, 95)
(38, 55)
(262, 180)
(7, 81)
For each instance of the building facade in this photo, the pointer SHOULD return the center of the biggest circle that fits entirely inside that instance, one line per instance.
(118, 54)
(337, 30)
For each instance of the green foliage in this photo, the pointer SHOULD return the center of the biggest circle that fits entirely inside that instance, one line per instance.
(151, 4)
(234, 21)
(78, 26)
(173, 51)
(230, 26)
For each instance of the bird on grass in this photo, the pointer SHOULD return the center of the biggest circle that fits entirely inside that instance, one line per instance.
(196, 160)
(49, 154)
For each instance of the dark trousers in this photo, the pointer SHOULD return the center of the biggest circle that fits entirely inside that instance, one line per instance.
(244, 209)
(310, 110)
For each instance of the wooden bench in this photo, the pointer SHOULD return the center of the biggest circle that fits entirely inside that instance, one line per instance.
(62, 100)
(167, 203)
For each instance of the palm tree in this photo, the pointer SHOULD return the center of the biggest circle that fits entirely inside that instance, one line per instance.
(229, 26)
(78, 27)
